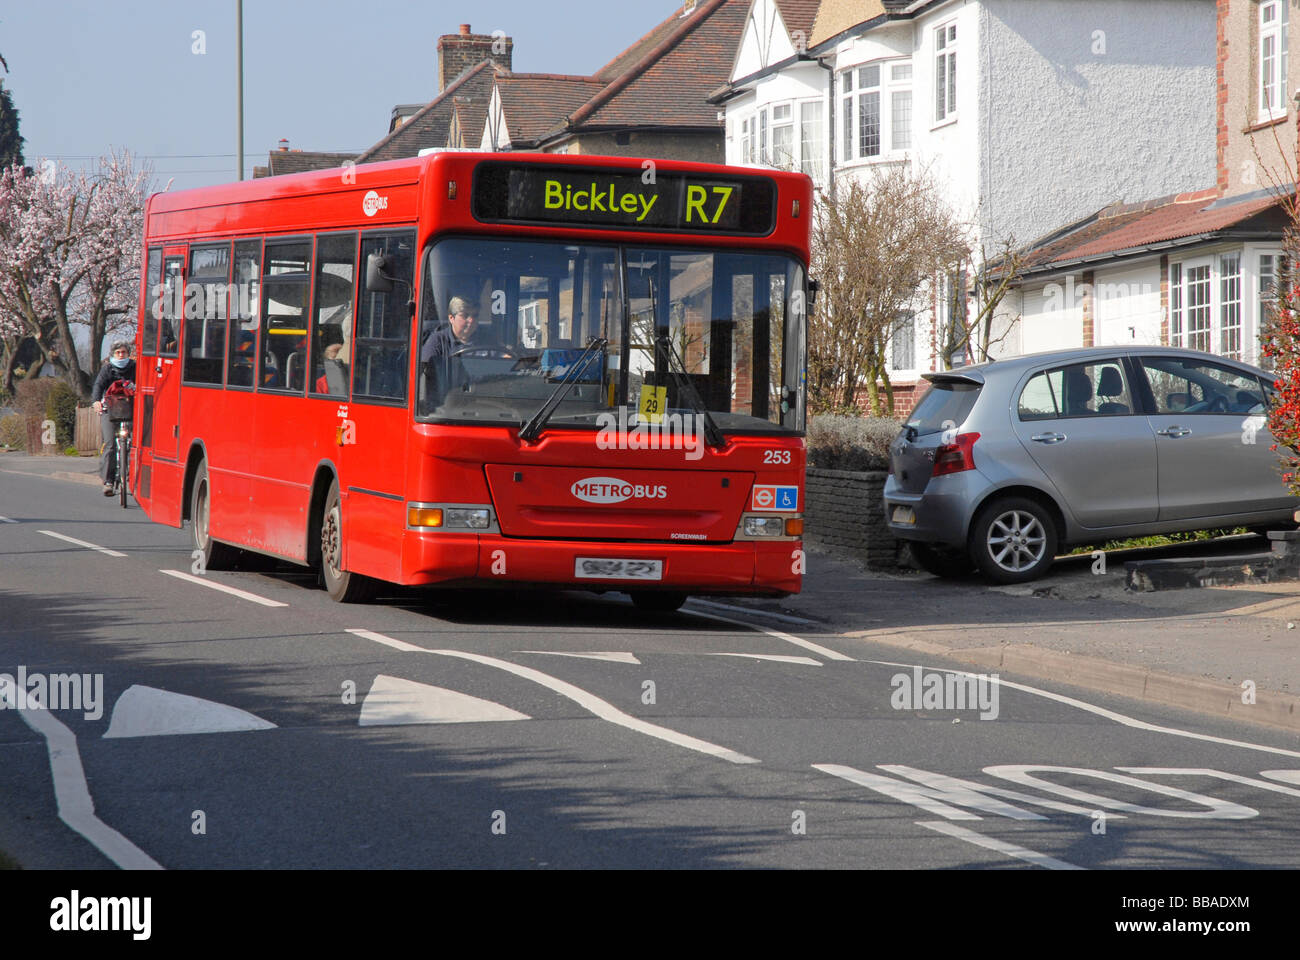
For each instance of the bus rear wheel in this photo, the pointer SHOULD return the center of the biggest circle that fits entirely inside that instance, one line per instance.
(342, 585)
(211, 554)
(664, 602)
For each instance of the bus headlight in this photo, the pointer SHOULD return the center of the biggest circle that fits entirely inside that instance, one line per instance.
(764, 526)
(468, 517)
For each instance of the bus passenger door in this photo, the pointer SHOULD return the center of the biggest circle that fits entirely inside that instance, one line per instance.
(159, 382)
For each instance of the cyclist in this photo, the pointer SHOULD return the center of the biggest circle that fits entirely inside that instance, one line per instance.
(119, 366)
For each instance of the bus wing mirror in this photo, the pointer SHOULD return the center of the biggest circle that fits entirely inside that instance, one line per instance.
(377, 278)
(814, 286)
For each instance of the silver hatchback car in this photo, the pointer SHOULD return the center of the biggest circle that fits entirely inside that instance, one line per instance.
(1005, 464)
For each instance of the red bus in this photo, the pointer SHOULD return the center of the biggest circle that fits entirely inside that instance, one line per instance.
(466, 369)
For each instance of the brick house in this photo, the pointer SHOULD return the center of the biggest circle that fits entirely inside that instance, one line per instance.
(1029, 112)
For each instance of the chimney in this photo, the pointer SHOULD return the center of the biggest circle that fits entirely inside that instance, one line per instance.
(284, 145)
(457, 52)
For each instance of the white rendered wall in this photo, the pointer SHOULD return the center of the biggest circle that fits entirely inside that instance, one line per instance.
(1066, 130)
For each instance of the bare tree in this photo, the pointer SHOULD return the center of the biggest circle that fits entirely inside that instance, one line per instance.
(877, 247)
(973, 330)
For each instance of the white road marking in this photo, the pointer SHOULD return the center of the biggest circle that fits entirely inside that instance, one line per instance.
(1000, 846)
(610, 657)
(233, 591)
(788, 638)
(1286, 776)
(782, 617)
(393, 701)
(82, 543)
(602, 708)
(7, 520)
(76, 808)
(149, 712)
(1216, 774)
(774, 657)
(1108, 714)
(386, 641)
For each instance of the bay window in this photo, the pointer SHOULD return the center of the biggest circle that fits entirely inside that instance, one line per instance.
(876, 105)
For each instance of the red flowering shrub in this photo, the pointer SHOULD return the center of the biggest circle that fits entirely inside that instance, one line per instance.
(1280, 346)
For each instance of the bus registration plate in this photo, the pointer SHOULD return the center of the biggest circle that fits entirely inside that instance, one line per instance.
(604, 568)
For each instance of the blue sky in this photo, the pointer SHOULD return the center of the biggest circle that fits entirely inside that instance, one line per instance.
(87, 75)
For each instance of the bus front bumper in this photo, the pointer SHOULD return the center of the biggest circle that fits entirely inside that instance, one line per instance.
(741, 568)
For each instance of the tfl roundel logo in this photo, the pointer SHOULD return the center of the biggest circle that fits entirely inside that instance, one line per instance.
(773, 497)
(373, 203)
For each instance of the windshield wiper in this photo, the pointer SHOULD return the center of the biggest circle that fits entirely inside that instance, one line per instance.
(533, 428)
(712, 435)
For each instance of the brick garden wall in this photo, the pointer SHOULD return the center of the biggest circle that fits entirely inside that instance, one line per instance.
(845, 512)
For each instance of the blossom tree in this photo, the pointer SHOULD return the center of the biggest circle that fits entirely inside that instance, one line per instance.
(70, 247)
(1280, 349)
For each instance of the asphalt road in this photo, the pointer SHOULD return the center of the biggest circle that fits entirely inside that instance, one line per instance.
(524, 730)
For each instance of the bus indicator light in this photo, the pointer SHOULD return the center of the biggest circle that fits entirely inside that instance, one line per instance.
(424, 516)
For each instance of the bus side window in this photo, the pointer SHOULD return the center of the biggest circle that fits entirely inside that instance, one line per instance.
(286, 287)
(153, 303)
(380, 350)
(173, 312)
(331, 342)
(245, 298)
(205, 324)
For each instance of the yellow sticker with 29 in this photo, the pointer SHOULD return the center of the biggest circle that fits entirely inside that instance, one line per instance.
(653, 401)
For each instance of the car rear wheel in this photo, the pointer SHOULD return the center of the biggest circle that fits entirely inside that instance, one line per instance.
(1013, 540)
(940, 561)
(342, 585)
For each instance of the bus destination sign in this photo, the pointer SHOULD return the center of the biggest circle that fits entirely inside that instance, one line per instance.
(681, 202)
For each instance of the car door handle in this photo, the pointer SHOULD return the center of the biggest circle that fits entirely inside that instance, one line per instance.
(1049, 438)
(1174, 431)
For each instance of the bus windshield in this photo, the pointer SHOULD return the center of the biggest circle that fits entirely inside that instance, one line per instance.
(504, 322)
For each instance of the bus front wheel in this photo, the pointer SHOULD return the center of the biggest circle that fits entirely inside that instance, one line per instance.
(342, 585)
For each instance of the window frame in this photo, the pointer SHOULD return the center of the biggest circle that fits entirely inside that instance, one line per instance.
(1275, 32)
(945, 72)
(849, 103)
(233, 323)
(1135, 394)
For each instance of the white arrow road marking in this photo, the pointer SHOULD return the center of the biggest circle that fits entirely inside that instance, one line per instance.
(393, 701)
(233, 591)
(602, 708)
(1286, 776)
(588, 701)
(7, 520)
(788, 638)
(76, 808)
(1103, 712)
(1000, 846)
(82, 543)
(610, 657)
(148, 712)
(774, 657)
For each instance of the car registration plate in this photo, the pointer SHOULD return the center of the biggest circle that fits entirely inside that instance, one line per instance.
(604, 568)
(903, 515)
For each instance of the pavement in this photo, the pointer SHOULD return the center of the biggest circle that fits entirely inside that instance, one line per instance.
(1232, 652)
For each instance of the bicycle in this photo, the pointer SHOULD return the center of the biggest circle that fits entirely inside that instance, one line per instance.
(119, 399)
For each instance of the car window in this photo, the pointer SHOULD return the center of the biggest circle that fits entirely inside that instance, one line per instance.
(1097, 389)
(945, 405)
(1195, 386)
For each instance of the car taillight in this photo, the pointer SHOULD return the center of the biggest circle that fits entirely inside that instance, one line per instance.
(956, 456)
